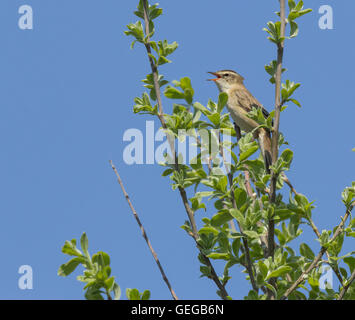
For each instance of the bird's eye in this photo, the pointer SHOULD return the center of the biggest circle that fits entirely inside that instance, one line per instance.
(226, 75)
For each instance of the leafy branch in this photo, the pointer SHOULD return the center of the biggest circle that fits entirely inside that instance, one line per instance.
(144, 11)
(97, 273)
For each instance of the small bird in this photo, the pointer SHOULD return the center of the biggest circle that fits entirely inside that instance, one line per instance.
(240, 102)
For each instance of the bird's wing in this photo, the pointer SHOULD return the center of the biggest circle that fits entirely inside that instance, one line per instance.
(247, 102)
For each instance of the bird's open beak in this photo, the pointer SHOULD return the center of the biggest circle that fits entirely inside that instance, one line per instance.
(216, 75)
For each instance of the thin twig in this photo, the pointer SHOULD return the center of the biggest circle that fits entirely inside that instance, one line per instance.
(284, 178)
(145, 236)
(189, 211)
(319, 256)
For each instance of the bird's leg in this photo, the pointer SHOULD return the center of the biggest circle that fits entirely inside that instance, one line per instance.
(237, 131)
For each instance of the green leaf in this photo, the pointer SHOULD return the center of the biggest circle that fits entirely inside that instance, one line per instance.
(236, 246)
(306, 251)
(173, 93)
(219, 256)
(135, 30)
(238, 216)
(93, 293)
(252, 295)
(155, 12)
(185, 83)
(343, 272)
(294, 29)
(274, 30)
(166, 49)
(215, 118)
(240, 197)
(189, 94)
(167, 172)
(222, 101)
(90, 283)
(71, 249)
(271, 288)
(279, 272)
(67, 268)
(146, 295)
(221, 218)
(162, 60)
(109, 283)
(295, 102)
(117, 291)
(297, 11)
(288, 89)
(246, 154)
(271, 70)
(263, 268)
(291, 4)
(102, 258)
(350, 261)
(206, 271)
(200, 107)
(324, 238)
(84, 245)
(207, 230)
(251, 234)
(287, 156)
(132, 294)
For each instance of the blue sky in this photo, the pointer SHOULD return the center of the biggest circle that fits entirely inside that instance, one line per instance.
(66, 97)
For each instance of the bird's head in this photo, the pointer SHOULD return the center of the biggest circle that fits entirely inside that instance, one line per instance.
(225, 79)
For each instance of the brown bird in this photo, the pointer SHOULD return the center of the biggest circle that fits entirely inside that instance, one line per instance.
(240, 102)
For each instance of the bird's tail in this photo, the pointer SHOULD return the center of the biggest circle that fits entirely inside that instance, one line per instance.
(265, 147)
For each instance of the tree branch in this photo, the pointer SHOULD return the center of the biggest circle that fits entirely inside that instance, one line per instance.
(345, 288)
(335, 268)
(275, 134)
(315, 230)
(145, 236)
(182, 191)
(248, 264)
(319, 256)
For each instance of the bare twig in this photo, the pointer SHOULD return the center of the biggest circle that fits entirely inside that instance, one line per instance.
(145, 236)
(319, 256)
(287, 181)
(189, 211)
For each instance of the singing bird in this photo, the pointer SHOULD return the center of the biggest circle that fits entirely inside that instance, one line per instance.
(240, 102)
